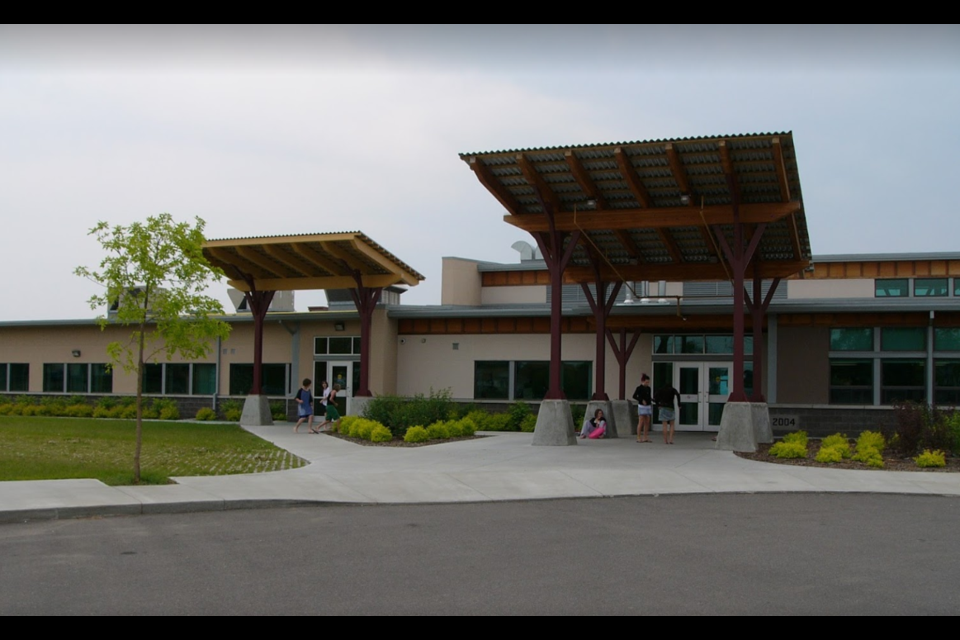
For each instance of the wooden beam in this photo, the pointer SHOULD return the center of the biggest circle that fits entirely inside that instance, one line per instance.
(671, 245)
(317, 259)
(305, 284)
(583, 179)
(246, 242)
(288, 259)
(729, 171)
(350, 261)
(795, 236)
(385, 262)
(678, 272)
(244, 268)
(660, 217)
(266, 265)
(676, 167)
(781, 170)
(537, 182)
(495, 187)
(632, 178)
(628, 244)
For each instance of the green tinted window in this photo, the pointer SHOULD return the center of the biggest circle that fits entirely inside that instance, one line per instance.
(930, 287)
(719, 344)
(531, 379)
(19, 377)
(204, 379)
(691, 344)
(53, 378)
(663, 344)
(575, 379)
(892, 288)
(153, 378)
(78, 378)
(851, 339)
(902, 381)
(101, 379)
(3, 377)
(851, 381)
(947, 378)
(491, 380)
(946, 339)
(177, 378)
(903, 339)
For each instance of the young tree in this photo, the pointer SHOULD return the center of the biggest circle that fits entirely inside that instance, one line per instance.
(155, 275)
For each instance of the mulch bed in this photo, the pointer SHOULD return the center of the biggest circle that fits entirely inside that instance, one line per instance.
(891, 461)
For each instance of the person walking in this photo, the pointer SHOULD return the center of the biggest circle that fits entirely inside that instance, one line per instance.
(664, 398)
(304, 406)
(644, 409)
(333, 414)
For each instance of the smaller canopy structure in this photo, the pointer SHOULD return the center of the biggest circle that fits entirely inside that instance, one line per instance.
(261, 266)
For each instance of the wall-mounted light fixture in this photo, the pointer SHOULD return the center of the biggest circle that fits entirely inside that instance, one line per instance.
(684, 199)
(338, 326)
(75, 353)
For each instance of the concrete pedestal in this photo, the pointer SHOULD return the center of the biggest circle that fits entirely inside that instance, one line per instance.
(554, 424)
(358, 405)
(736, 428)
(762, 428)
(256, 412)
(626, 414)
(608, 415)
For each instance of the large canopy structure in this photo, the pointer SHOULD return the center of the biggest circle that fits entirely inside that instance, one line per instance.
(262, 266)
(709, 208)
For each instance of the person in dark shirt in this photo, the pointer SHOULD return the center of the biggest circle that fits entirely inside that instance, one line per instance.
(304, 406)
(644, 408)
(664, 398)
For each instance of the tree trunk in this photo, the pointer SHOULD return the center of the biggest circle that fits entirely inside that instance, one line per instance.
(140, 367)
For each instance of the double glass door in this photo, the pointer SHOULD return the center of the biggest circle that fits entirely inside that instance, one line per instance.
(704, 388)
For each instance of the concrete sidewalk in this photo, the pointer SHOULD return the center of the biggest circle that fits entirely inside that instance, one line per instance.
(503, 466)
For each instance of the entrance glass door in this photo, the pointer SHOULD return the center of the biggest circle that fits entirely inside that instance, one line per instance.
(342, 373)
(704, 388)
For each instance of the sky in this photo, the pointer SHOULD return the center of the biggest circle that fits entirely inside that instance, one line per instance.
(275, 130)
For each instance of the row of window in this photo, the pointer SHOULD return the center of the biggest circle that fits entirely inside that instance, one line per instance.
(347, 346)
(915, 287)
(854, 381)
(893, 339)
(699, 345)
(77, 378)
(14, 376)
(529, 379)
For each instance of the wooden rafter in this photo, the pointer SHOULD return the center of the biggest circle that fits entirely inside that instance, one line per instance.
(230, 262)
(623, 236)
(537, 182)
(676, 167)
(495, 187)
(781, 170)
(677, 272)
(655, 218)
(381, 260)
(349, 260)
(583, 179)
(327, 282)
(632, 178)
(281, 255)
(672, 248)
(729, 171)
(267, 266)
(317, 259)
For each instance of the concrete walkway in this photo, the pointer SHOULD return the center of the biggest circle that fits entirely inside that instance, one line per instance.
(503, 466)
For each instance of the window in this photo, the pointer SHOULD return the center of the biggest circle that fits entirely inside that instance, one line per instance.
(491, 379)
(947, 382)
(891, 288)
(851, 339)
(946, 339)
(956, 286)
(903, 339)
(902, 381)
(851, 381)
(930, 287)
(204, 379)
(336, 345)
(176, 378)
(70, 378)
(180, 378)
(19, 377)
(275, 379)
(698, 344)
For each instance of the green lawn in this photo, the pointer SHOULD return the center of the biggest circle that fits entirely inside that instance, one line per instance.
(35, 448)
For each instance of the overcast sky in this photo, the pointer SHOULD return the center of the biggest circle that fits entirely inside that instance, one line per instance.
(314, 129)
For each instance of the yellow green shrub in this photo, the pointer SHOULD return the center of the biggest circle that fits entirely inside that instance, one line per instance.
(869, 456)
(380, 434)
(438, 431)
(416, 434)
(784, 449)
(871, 440)
(931, 459)
(797, 437)
(839, 442)
(205, 414)
(467, 426)
(832, 455)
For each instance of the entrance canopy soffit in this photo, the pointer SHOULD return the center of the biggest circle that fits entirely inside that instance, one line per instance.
(651, 210)
(305, 262)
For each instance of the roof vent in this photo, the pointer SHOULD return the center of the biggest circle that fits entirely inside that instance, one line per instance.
(527, 251)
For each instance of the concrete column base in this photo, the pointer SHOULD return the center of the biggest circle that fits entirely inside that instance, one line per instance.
(762, 428)
(554, 424)
(611, 419)
(736, 428)
(625, 412)
(358, 404)
(256, 412)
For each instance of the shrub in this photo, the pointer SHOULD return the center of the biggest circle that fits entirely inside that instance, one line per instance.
(837, 441)
(869, 456)
(518, 411)
(454, 429)
(438, 431)
(399, 414)
(345, 424)
(467, 427)
(953, 427)
(416, 434)
(871, 440)
(6, 408)
(832, 454)
(363, 428)
(578, 411)
(798, 437)
(231, 410)
(529, 424)
(380, 434)
(278, 410)
(930, 459)
(166, 409)
(785, 449)
(82, 410)
(206, 414)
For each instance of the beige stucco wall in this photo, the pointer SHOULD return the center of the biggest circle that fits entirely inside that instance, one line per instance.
(803, 365)
(854, 288)
(460, 283)
(426, 362)
(527, 294)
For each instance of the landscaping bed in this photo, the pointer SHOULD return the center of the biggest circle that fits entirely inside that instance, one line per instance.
(891, 461)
